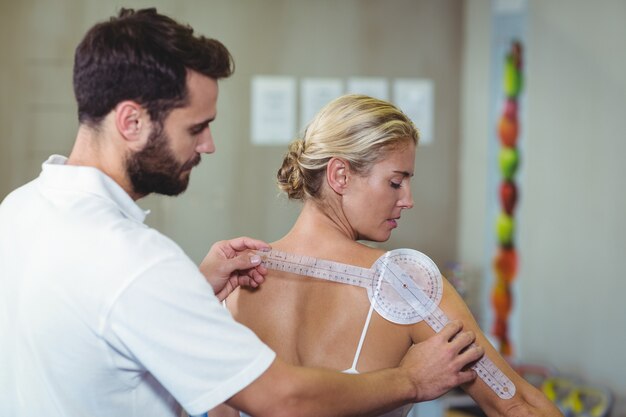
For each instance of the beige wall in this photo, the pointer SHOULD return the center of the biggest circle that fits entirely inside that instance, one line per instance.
(576, 198)
(233, 192)
(572, 237)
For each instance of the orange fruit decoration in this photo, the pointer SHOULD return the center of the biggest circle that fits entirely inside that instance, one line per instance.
(501, 300)
(507, 131)
(505, 264)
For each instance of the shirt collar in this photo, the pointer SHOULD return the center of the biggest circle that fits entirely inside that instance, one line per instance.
(55, 172)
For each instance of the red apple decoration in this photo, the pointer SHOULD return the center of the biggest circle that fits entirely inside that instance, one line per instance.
(508, 196)
(510, 108)
(499, 328)
(516, 53)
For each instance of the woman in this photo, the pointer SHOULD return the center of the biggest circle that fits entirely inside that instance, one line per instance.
(352, 171)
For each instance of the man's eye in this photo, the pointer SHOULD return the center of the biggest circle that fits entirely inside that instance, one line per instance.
(199, 129)
(395, 185)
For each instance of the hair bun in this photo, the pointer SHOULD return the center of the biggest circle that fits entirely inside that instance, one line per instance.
(289, 175)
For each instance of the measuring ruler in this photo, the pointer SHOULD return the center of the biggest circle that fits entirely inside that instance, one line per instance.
(404, 286)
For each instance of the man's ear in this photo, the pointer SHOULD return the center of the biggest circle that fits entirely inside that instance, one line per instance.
(337, 174)
(132, 123)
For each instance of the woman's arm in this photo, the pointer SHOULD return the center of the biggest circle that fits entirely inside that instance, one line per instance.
(528, 400)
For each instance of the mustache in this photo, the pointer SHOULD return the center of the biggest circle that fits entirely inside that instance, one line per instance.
(192, 163)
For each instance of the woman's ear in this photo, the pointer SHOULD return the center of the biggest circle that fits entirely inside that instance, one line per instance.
(337, 174)
(131, 122)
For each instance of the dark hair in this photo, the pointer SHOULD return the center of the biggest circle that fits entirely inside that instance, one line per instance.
(142, 56)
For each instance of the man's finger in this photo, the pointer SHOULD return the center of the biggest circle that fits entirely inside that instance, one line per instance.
(256, 276)
(244, 242)
(462, 340)
(472, 354)
(467, 376)
(242, 262)
(451, 329)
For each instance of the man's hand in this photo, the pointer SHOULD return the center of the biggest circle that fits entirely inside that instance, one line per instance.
(440, 363)
(230, 264)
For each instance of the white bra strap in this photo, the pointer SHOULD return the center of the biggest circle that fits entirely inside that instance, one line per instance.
(363, 333)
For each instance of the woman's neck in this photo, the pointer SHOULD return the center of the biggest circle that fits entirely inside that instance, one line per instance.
(317, 227)
(318, 232)
(326, 219)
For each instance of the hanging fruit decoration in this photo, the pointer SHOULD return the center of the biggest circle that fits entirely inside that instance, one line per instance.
(505, 261)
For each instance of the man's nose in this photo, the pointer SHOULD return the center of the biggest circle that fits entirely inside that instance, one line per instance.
(206, 144)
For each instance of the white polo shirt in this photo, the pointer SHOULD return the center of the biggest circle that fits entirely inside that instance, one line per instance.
(101, 315)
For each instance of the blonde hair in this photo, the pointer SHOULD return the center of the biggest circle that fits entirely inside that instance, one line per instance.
(357, 128)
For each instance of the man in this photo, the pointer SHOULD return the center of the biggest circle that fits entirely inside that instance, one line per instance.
(102, 315)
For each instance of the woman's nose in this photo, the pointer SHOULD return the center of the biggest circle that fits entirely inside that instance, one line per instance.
(407, 200)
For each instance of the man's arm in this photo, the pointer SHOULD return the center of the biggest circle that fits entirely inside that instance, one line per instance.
(428, 370)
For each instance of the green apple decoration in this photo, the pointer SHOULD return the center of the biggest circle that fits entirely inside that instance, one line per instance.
(512, 77)
(508, 160)
(505, 226)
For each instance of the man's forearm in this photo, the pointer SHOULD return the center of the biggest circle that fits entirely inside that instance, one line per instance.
(302, 392)
(367, 394)
(428, 370)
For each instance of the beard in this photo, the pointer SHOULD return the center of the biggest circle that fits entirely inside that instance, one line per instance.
(155, 168)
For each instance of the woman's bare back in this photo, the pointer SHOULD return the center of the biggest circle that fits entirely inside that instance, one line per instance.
(313, 322)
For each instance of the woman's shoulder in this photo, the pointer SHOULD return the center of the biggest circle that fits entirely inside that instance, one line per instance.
(369, 254)
(342, 251)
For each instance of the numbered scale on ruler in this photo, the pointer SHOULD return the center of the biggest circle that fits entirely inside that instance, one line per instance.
(404, 286)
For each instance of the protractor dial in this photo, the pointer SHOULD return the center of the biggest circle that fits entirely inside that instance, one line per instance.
(396, 269)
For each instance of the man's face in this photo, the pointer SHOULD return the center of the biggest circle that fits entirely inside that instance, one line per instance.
(164, 165)
(155, 168)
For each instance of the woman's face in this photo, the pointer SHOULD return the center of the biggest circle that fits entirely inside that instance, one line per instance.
(372, 204)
